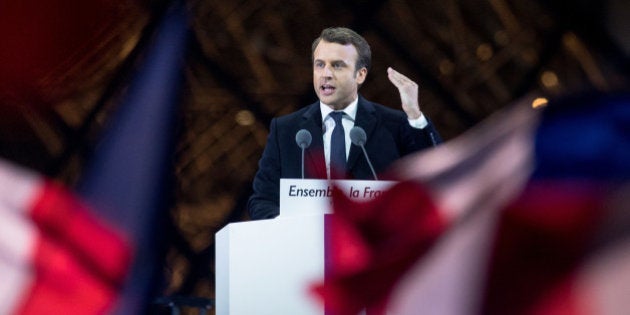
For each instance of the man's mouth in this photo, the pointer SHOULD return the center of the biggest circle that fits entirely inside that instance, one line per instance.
(327, 89)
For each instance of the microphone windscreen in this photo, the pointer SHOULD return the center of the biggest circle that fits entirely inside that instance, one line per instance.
(303, 138)
(358, 136)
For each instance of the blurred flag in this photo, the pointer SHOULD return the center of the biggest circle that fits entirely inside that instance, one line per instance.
(563, 246)
(525, 199)
(130, 175)
(56, 257)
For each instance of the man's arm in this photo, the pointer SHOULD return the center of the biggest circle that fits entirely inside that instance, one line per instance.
(408, 90)
(265, 201)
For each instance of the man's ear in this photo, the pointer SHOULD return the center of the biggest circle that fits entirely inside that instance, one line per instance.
(361, 74)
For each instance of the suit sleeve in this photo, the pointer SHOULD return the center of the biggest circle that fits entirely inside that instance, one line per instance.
(416, 139)
(431, 135)
(265, 200)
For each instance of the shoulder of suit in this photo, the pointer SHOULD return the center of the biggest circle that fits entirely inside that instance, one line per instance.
(383, 110)
(299, 114)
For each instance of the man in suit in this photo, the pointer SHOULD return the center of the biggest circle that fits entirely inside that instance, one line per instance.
(341, 59)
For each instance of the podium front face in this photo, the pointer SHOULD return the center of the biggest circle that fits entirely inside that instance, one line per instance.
(267, 266)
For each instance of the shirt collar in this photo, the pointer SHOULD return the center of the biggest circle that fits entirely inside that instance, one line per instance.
(350, 110)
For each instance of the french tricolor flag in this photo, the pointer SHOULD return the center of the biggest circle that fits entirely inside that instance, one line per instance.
(56, 256)
(528, 213)
(98, 249)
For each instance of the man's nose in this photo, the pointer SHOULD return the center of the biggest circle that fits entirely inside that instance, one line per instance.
(327, 71)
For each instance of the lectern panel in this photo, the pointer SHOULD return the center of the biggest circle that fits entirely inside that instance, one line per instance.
(267, 266)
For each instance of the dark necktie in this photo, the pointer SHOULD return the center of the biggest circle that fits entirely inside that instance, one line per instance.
(337, 148)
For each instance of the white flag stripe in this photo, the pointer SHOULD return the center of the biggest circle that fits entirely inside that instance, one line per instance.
(17, 234)
(17, 241)
(19, 187)
(16, 280)
(17, 237)
(448, 280)
(603, 286)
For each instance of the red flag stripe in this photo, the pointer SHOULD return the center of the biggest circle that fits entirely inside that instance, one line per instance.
(543, 236)
(62, 217)
(63, 284)
(55, 256)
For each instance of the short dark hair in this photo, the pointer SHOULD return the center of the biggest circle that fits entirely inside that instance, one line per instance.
(345, 36)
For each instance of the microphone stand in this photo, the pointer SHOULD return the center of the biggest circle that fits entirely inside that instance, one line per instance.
(369, 163)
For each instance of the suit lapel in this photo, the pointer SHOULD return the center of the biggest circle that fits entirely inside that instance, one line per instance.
(366, 119)
(315, 161)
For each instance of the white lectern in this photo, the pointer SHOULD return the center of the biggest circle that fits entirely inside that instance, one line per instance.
(268, 266)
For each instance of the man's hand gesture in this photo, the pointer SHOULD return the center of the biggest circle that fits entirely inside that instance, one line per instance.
(408, 93)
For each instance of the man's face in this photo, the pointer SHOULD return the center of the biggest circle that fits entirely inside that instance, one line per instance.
(335, 79)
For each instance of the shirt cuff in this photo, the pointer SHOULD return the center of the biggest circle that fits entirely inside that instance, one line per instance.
(419, 122)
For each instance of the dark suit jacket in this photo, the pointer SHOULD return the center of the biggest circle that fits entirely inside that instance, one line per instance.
(389, 137)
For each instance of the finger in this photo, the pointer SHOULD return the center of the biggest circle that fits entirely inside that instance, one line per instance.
(398, 78)
(395, 77)
(398, 75)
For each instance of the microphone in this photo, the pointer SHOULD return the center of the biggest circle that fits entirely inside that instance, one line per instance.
(303, 139)
(359, 138)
